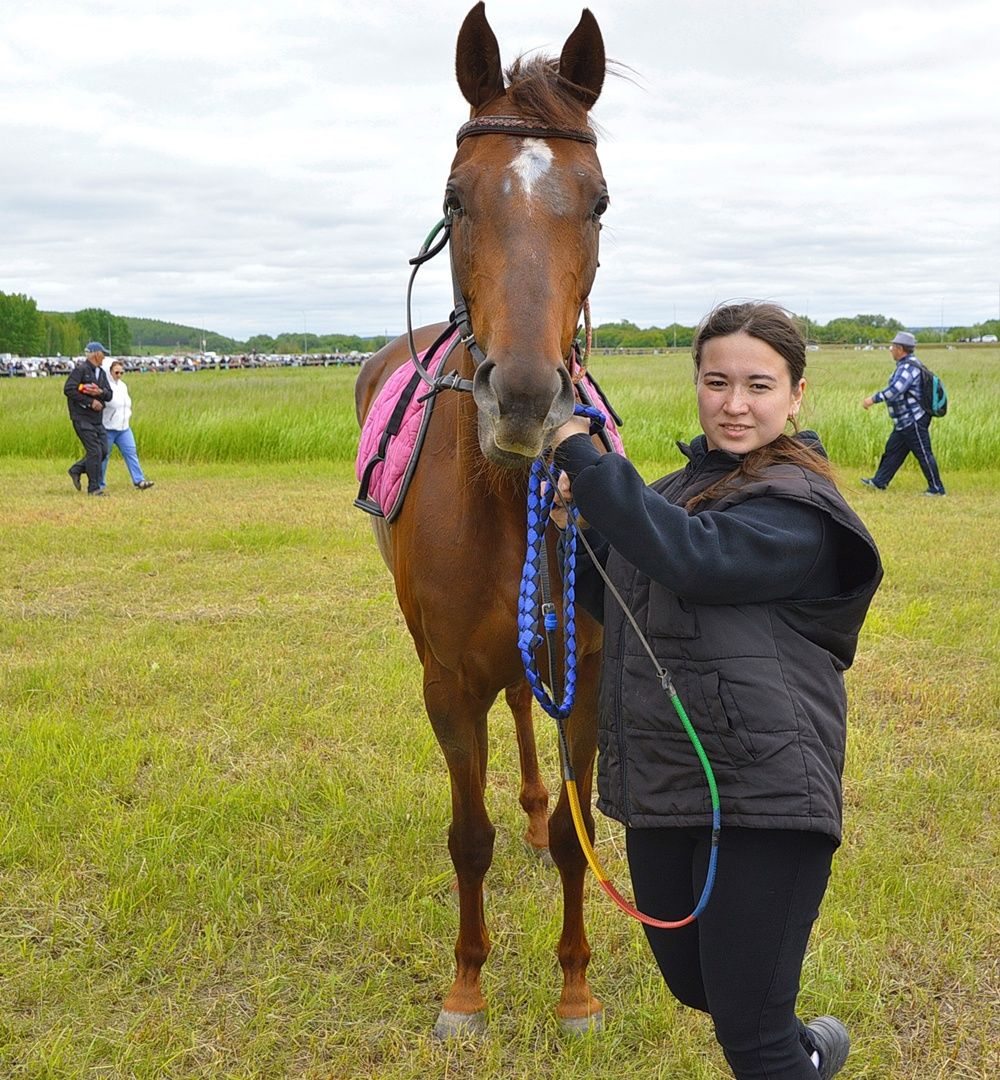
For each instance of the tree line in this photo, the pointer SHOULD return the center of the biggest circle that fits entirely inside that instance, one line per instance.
(26, 331)
(859, 330)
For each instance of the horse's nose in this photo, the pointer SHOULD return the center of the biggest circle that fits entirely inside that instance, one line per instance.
(519, 408)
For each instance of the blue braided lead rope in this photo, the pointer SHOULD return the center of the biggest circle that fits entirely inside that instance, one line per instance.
(529, 600)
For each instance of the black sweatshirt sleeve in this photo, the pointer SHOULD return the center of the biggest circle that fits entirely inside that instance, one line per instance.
(763, 549)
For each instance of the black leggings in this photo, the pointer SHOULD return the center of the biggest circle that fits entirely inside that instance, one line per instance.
(741, 959)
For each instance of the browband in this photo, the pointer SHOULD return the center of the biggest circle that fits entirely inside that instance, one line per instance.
(518, 125)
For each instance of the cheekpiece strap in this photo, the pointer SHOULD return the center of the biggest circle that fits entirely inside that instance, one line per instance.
(518, 125)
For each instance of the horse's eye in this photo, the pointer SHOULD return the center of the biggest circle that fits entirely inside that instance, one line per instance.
(600, 206)
(452, 204)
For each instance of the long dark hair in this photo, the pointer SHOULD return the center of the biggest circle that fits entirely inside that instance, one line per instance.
(775, 327)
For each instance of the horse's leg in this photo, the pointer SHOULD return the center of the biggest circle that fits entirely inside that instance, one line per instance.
(578, 1009)
(459, 722)
(534, 796)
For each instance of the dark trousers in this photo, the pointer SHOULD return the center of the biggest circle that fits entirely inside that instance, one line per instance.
(95, 447)
(741, 960)
(913, 439)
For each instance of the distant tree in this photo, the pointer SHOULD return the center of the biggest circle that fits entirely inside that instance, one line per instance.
(260, 343)
(626, 335)
(842, 331)
(879, 322)
(681, 336)
(22, 330)
(110, 330)
(347, 343)
(614, 335)
(288, 344)
(64, 336)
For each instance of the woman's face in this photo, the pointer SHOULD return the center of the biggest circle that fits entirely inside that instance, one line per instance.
(745, 394)
(116, 372)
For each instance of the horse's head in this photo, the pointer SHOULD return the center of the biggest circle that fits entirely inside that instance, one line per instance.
(525, 197)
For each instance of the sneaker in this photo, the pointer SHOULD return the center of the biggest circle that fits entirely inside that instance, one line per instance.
(99, 491)
(934, 493)
(144, 484)
(869, 482)
(829, 1036)
(75, 477)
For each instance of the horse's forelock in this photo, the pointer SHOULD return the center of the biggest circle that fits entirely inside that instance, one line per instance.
(533, 85)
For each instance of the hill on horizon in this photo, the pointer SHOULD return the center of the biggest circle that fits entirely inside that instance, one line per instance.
(144, 333)
(163, 334)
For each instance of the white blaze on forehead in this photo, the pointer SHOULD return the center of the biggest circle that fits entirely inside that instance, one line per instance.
(532, 163)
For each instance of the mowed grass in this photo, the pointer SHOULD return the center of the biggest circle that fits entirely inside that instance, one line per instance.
(223, 813)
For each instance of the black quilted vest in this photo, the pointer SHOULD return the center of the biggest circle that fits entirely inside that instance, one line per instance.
(762, 683)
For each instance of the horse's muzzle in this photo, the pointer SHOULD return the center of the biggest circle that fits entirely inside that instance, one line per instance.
(518, 411)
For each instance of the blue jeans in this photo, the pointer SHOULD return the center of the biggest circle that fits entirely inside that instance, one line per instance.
(125, 441)
(913, 439)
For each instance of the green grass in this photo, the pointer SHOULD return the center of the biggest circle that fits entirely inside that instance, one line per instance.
(223, 813)
(271, 415)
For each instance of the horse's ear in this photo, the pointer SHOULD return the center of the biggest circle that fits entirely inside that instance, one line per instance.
(582, 63)
(477, 59)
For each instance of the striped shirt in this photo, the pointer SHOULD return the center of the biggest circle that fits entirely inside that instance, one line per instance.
(902, 395)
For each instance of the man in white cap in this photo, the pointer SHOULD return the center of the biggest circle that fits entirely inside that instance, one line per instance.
(911, 424)
(87, 389)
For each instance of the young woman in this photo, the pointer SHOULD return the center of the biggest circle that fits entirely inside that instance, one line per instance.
(750, 576)
(117, 417)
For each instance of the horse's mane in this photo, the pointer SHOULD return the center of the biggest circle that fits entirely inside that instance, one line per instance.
(534, 86)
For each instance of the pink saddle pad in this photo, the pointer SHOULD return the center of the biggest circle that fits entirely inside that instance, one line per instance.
(389, 477)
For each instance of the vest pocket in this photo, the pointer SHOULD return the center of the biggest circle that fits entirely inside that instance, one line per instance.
(724, 712)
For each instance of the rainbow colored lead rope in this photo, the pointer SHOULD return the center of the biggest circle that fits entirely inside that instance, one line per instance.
(528, 617)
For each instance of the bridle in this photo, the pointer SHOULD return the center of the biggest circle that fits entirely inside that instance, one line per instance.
(440, 236)
(518, 125)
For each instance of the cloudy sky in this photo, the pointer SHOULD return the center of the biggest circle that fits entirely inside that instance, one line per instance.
(256, 167)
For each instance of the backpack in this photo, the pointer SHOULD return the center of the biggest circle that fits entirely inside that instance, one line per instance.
(933, 396)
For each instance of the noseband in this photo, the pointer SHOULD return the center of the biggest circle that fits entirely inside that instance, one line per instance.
(518, 127)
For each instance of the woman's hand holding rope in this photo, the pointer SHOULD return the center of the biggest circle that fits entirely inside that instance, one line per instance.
(559, 514)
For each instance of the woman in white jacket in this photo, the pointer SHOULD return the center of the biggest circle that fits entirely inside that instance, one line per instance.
(117, 416)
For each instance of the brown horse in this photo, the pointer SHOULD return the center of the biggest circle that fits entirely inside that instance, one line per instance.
(523, 203)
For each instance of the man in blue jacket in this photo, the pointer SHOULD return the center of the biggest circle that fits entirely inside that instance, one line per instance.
(911, 425)
(87, 389)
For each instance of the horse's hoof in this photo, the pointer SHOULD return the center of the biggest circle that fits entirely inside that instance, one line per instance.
(581, 1025)
(542, 854)
(456, 1025)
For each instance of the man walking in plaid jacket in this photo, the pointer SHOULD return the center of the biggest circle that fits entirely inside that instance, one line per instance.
(911, 424)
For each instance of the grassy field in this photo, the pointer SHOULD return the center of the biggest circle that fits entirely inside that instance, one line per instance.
(223, 813)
